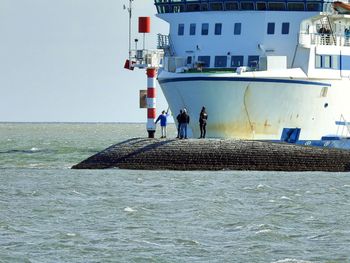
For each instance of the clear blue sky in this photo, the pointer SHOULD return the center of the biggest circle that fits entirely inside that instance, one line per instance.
(62, 60)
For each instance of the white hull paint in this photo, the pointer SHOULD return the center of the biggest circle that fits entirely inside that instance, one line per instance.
(258, 108)
(264, 70)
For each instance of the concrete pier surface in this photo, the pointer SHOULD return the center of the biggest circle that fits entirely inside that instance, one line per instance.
(217, 154)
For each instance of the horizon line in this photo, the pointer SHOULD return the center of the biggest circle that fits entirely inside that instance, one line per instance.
(71, 122)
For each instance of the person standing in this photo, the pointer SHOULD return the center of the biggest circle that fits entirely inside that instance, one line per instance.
(178, 118)
(203, 116)
(185, 120)
(347, 35)
(163, 122)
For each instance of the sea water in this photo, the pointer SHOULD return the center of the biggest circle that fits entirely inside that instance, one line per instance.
(50, 213)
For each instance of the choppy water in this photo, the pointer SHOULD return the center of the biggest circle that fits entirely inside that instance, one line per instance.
(49, 213)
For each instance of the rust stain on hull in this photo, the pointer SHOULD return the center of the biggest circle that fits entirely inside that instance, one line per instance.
(242, 130)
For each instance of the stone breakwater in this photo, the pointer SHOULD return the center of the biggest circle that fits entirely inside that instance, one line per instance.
(216, 154)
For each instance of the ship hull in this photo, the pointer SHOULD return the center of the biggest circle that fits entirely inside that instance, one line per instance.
(259, 108)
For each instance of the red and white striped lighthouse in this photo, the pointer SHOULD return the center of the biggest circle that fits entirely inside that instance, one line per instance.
(152, 63)
(151, 101)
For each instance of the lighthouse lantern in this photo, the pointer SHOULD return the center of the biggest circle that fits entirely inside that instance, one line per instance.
(144, 24)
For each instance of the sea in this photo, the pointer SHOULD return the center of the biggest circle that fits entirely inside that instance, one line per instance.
(51, 213)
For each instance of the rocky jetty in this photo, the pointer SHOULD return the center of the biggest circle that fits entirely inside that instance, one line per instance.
(216, 154)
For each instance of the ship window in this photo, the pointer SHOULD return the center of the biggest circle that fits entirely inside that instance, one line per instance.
(205, 60)
(253, 61)
(313, 7)
(261, 6)
(277, 6)
(218, 27)
(216, 6)
(189, 60)
(345, 62)
(285, 28)
(296, 6)
(205, 29)
(181, 29)
(247, 5)
(204, 7)
(326, 62)
(231, 6)
(318, 61)
(177, 8)
(163, 9)
(192, 29)
(220, 61)
(270, 28)
(335, 62)
(193, 8)
(236, 61)
(237, 29)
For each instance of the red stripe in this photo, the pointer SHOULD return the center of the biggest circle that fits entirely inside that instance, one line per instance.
(151, 113)
(151, 72)
(151, 92)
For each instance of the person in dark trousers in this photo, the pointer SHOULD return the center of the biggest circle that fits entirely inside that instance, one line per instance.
(185, 120)
(178, 118)
(203, 116)
(163, 121)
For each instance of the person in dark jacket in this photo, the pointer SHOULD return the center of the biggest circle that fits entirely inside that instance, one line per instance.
(178, 118)
(203, 116)
(185, 120)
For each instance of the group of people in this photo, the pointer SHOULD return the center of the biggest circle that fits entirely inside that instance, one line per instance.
(183, 119)
(325, 35)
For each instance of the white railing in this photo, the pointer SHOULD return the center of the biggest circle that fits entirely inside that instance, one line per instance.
(164, 42)
(143, 58)
(324, 39)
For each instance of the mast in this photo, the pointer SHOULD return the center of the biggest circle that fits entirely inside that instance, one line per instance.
(130, 16)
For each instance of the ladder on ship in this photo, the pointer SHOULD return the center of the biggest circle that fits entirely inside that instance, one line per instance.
(165, 43)
(345, 126)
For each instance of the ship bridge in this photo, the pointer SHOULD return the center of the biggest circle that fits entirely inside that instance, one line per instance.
(179, 6)
(217, 35)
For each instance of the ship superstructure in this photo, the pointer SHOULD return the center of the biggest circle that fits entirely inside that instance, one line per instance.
(263, 69)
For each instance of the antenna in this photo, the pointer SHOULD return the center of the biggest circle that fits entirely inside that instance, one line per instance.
(130, 15)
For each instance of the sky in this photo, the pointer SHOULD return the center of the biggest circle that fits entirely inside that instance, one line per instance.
(62, 61)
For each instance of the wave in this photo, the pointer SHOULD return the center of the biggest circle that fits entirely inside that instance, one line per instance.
(129, 209)
(65, 150)
(291, 260)
(30, 151)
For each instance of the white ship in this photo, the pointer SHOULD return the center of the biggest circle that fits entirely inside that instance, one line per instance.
(265, 70)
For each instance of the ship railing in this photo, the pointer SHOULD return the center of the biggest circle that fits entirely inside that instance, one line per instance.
(143, 58)
(345, 126)
(179, 6)
(164, 42)
(307, 39)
